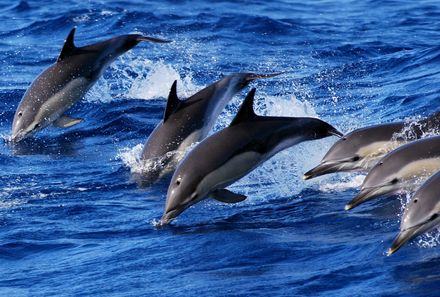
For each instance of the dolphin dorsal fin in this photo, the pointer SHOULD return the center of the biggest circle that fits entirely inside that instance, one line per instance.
(172, 103)
(69, 47)
(246, 111)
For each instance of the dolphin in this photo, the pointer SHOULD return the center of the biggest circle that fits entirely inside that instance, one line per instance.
(228, 155)
(362, 148)
(64, 83)
(186, 122)
(421, 214)
(401, 169)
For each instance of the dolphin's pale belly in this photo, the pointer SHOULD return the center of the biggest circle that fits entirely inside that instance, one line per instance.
(372, 153)
(419, 168)
(231, 171)
(409, 176)
(61, 101)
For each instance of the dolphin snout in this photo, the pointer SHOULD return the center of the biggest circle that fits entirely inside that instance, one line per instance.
(168, 217)
(400, 240)
(363, 196)
(321, 169)
(18, 136)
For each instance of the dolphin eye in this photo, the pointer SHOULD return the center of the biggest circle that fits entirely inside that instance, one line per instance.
(415, 200)
(394, 181)
(356, 158)
(178, 181)
(20, 114)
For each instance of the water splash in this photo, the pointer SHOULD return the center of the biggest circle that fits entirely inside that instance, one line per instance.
(349, 182)
(140, 78)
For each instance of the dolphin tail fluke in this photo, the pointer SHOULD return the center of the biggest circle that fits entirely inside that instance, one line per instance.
(140, 38)
(227, 196)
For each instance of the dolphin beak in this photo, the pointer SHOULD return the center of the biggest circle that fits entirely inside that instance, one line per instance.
(17, 137)
(409, 233)
(170, 215)
(363, 196)
(335, 132)
(402, 238)
(166, 219)
(321, 169)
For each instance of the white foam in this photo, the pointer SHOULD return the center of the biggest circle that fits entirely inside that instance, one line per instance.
(130, 157)
(6, 137)
(140, 78)
(429, 240)
(349, 182)
(82, 19)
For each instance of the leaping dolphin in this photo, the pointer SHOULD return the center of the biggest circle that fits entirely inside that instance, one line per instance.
(64, 83)
(233, 152)
(362, 148)
(188, 121)
(400, 169)
(421, 214)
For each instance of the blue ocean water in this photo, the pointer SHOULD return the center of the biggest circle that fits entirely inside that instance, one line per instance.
(73, 220)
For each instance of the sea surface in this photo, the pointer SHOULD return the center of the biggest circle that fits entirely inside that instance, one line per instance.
(73, 220)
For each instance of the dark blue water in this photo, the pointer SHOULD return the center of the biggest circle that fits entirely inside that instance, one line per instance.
(73, 220)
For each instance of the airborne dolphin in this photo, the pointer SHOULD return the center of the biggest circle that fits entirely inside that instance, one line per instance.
(188, 121)
(400, 169)
(233, 152)
(362, 148)
(64, 83)
(421, 214)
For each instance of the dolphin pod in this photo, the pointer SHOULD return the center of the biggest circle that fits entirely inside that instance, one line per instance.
(64, 83)
(400, 169)
(233, 152)
(421, 214)
(362, 148)
(228, 155)
(186, 122)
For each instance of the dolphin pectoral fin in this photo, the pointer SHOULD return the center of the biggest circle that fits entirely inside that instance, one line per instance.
(227, 196)
(65, 122)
